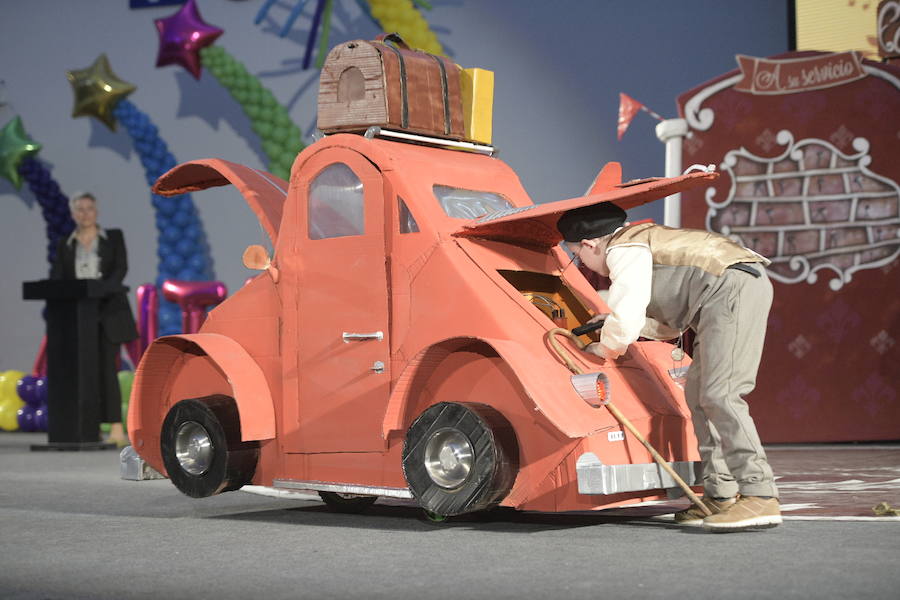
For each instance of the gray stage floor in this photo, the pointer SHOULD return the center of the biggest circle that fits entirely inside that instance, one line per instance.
(70, 528)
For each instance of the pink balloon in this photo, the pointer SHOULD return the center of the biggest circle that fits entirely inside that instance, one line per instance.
(148, 315)
(194, 298)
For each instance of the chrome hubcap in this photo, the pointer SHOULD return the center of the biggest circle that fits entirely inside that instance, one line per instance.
(193, 448)
(448, 458)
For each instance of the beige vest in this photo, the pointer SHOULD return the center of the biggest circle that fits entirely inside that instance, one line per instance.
(686, 247)
(688, 265)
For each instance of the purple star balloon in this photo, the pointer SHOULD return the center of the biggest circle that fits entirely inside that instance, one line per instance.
(182, 36)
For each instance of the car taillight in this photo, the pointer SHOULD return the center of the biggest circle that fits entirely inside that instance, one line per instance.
(593, 388)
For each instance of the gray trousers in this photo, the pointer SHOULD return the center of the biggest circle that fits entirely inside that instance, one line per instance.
(730, 331)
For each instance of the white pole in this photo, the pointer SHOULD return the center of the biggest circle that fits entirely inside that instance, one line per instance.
(671, 132)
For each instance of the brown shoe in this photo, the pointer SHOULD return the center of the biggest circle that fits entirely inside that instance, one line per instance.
(694, 516)
(749, 512)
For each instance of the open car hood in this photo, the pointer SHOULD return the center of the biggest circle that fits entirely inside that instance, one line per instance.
(535, 225)
(264, 192)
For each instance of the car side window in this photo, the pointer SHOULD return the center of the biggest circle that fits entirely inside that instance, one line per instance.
(335, 207)
(407, 220)
(468, 204)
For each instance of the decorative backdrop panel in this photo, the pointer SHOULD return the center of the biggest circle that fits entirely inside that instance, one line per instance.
(809, 149)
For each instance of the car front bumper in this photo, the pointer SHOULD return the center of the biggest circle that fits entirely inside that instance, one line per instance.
(594, 477)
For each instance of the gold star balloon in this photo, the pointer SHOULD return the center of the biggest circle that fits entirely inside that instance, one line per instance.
(97, 91)
(15, 146)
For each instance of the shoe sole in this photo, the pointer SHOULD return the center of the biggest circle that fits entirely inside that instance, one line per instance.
(690, 522)
(753, 523)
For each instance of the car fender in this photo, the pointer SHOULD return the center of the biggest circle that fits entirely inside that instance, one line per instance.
(515, 355)
(152, 389)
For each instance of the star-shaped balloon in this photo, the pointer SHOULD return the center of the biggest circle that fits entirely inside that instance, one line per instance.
(182, 36)
(97, 91)
(15, 146)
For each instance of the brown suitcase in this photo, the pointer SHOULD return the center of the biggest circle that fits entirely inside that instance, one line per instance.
(365, 84)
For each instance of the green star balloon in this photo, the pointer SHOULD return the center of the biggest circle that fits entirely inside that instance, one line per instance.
(97, 91)
(15, 146)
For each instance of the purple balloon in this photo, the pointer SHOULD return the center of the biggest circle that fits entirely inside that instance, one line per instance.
(40, 386)
(27, 390)
(40, 418)
(25, 417)
(182, 36)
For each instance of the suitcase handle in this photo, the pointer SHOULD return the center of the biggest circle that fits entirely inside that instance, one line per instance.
(393, 37)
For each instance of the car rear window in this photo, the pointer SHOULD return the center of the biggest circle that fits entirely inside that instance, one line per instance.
(468, 204)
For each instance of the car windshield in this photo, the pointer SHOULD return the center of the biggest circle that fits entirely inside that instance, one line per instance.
(469, 204)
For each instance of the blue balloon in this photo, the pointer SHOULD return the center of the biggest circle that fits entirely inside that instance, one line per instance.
(169, 319)
(183, 218)
(188, 274)
(173, 262)
(197, 262)
(172, 234)
(163, 250)
(168, 207)
(193, 232)
(40, 386)
(25, 417)
(25, 387)
(186, 247)
(187, 205)
(41, 422)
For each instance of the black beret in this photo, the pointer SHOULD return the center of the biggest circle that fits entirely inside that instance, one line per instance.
(588, 222)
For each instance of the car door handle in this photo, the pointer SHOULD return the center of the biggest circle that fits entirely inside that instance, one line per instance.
(353, 337)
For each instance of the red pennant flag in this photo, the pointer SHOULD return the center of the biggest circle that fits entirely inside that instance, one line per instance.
(628, 107)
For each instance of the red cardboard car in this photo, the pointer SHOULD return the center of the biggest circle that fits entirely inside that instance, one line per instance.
(396, 345)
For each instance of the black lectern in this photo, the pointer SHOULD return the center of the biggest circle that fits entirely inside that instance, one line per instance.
(73, 369)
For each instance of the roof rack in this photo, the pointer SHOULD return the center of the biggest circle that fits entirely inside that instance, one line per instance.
(403, 136)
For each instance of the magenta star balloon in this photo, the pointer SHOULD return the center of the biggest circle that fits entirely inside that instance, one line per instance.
(182, 36)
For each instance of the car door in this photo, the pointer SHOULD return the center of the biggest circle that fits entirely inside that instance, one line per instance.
(342, 307)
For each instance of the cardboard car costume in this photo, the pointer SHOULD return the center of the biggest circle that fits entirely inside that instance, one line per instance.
(396, 344)
(396, 348)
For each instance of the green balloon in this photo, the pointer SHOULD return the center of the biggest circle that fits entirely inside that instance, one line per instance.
(283, 120)
(15, 146)
(239, 94)
(265, 129)
(279, 134)
(269, 101)
(126, 379)
(271, 148)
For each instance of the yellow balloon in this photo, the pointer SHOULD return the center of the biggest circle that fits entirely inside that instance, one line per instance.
(8, 380)
(8, 419)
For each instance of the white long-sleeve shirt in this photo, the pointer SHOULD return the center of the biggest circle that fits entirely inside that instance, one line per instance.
(630, 268)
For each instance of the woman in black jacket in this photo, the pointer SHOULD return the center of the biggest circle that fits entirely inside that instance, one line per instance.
(92, 252)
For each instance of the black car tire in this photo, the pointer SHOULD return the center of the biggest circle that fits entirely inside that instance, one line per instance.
(228, 464)
(493, 458)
